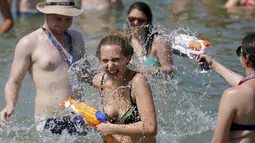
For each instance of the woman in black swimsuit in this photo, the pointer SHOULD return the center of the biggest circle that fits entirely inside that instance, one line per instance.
(236, 115)
(126, 96)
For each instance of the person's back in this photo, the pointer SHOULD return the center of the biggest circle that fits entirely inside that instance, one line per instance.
(244, 102)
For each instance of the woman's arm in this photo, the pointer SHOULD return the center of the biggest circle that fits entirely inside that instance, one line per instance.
(226, 114)
(164, 54)
(162, 51)
(144, 100)
(231, 77)
(7, 16)
(148, 124)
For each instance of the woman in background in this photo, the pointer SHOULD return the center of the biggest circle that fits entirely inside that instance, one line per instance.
(153, 51)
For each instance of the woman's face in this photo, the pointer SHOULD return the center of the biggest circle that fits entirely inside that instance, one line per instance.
(136, 18)
(113, 61)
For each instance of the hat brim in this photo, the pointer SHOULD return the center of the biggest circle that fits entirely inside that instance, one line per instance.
(61, 10)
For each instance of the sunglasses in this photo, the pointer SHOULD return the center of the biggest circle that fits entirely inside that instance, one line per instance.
(240, 52)
(140, 20)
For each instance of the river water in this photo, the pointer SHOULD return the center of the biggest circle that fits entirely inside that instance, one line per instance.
(186, 107)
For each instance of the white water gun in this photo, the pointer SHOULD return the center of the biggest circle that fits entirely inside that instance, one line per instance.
(190, 46)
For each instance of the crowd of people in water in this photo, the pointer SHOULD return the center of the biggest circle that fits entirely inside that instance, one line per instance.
(126, 96)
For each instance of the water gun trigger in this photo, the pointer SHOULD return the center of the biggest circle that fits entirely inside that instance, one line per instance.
(101, 116)
(78, 117)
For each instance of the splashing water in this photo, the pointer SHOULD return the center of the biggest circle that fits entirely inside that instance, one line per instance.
(179, 112)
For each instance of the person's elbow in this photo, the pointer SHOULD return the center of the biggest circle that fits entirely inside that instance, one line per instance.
(152, 130)
(12, 83)
(217, 140)
(220, 139)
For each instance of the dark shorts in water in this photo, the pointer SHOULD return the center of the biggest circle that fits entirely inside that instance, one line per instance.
(60, 125)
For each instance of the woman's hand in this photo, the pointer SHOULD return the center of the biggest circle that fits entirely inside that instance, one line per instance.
(205, 57)
(104, 129)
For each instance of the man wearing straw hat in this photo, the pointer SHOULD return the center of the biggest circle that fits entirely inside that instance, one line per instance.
(47, 53)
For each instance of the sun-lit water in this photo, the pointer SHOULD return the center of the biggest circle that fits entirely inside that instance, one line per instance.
(186, 106)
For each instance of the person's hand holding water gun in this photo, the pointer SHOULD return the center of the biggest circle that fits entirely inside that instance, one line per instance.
(104, 129)
(231, 77)
(87, 114)
(204, 57)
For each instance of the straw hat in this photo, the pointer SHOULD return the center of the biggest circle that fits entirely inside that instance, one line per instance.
(61, 7)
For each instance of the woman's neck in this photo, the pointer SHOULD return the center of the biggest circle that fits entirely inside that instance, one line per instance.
(249, 71)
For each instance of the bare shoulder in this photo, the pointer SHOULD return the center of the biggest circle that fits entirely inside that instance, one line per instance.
(161, 41)
(29, 42)
(139, 79)
(97, 80)
(234, 94)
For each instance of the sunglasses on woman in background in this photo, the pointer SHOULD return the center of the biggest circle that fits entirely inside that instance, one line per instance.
(140, 20)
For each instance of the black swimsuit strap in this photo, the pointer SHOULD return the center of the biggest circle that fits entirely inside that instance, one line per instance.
(101, 89)
(148, 42)
(130, 91)
(102, 85)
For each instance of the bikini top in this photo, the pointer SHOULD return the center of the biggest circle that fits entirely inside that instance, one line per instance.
(149, 60)
(131, 116)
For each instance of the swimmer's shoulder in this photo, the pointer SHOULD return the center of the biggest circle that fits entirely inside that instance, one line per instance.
(30, 41)
(139, 78)
(159, 39)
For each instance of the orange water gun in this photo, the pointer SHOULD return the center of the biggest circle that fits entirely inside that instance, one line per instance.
(86, 113)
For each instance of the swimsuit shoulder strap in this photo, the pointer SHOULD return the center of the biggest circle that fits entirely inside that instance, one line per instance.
(247, 78)
(149, 41)
(130, 91)
(102, 85)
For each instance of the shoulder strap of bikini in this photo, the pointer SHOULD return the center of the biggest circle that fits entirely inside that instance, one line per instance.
(130, 91)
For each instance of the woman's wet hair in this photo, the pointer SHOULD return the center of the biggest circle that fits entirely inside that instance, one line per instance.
(144, 8)
(248, 46)
(116, 38)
